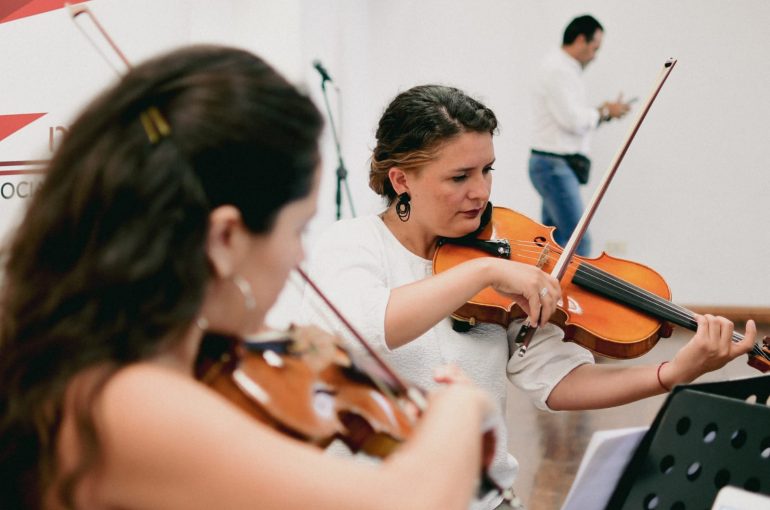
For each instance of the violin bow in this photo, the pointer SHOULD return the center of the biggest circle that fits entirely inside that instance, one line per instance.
(527, 330)
(155, 125)
(413, 394)
(82, 9)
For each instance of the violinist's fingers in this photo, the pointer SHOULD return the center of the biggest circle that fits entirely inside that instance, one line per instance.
(705, 323)
(711, 331)
(714, 328)
(556, 288)
(411, 409)
(535, 306)
(749, 336)
(535, 291)
(549, 296)
(553, 300)
(702, 324)
(523, 304)
(711, 347)
(450, 374)
(725, 336)
(717, 334)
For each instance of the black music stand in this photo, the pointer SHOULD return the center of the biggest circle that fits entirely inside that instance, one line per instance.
(704, 437)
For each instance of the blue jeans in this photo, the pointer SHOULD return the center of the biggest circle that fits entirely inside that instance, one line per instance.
(562, 204)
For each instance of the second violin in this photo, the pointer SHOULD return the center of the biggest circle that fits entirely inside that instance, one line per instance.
(304, 384)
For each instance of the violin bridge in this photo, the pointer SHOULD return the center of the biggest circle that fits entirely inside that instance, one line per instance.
(543, 257)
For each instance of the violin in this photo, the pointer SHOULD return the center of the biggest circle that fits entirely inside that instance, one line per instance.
(306, 385)
(614, 307)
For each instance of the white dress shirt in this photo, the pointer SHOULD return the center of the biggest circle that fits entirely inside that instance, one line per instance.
(562, 118)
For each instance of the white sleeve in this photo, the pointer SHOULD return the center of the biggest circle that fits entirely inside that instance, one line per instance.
(547, 360)
(346, 265)
(565, 104)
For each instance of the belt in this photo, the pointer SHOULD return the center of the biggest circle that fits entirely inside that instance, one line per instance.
(551, 154)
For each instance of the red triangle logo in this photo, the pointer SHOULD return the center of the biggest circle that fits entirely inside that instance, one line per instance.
(16, 9)
(9, 124)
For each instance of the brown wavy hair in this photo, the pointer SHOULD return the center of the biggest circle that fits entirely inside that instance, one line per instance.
(415, 125)
(108, 265)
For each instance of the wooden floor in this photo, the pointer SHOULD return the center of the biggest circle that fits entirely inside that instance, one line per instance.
(549, 446)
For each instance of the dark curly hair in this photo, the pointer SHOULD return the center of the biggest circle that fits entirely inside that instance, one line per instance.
(416, 123)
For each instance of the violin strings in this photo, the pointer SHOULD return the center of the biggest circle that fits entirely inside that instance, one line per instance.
(325, 319)
(599, 275)
(352, 347)
(609, 280)
(655, 304)
(299, 285)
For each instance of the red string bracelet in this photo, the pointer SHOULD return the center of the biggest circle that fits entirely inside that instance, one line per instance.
(659, 381)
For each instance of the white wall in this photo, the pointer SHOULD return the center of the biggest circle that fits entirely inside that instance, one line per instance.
(50, 67)
(689, 199)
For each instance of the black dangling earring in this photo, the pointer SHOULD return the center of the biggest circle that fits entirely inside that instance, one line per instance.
(403, 207)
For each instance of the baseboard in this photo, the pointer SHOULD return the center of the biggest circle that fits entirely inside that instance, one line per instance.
(760, 315)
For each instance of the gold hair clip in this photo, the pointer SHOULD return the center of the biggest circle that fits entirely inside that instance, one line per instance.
(154, 124)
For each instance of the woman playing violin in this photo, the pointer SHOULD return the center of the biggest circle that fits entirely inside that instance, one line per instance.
(433, 164)
(175, 205)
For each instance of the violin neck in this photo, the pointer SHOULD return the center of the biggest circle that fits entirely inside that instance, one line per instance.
(607, 285)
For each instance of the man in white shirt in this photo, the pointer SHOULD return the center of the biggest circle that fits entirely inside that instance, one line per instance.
(562, 124)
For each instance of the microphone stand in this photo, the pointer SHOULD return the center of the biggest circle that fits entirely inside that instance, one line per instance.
(342, 173)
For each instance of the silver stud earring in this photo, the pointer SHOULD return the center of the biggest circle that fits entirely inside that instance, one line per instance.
(202, 323)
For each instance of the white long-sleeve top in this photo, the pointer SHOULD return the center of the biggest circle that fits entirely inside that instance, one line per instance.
(358, 261)
(562, 119)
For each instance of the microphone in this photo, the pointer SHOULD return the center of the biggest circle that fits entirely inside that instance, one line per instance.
(322, 71)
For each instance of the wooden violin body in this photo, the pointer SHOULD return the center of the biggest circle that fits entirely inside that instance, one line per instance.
(285, 381)
(615, 307)
(587, 318)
